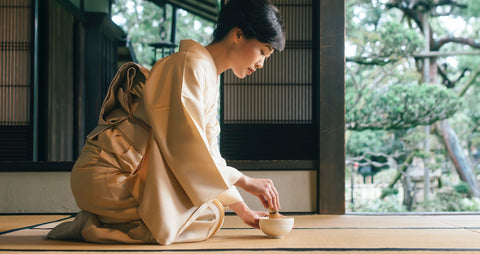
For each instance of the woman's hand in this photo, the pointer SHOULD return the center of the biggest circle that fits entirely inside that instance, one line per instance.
(248, 216)
(263, 189)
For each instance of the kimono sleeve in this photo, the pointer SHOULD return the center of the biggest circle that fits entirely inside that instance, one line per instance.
(175, 105)
(231, 195)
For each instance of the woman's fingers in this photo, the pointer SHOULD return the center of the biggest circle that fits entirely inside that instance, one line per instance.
(264, 189)
(264, 201)
(275, 202)
(271, 196)
(276, 198)
(270, 200)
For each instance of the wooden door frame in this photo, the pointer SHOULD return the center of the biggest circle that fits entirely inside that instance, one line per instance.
(329, 88)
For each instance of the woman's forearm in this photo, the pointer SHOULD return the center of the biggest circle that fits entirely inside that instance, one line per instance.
(242, 182)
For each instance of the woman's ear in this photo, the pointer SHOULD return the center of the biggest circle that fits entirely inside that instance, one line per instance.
(237, 35)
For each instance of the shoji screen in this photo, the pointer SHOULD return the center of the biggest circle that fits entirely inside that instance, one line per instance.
(15, 80)
(268, 115)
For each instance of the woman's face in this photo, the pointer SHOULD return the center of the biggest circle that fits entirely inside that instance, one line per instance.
(249, 55)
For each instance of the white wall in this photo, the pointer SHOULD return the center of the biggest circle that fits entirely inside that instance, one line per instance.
(32, 192)
(49, 192)
(297, 190)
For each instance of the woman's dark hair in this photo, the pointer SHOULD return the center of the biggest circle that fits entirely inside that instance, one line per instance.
(257, 19)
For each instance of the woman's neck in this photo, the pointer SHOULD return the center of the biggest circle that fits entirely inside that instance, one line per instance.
(220, 52)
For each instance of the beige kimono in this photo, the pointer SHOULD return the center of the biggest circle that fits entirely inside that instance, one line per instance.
(151, 172)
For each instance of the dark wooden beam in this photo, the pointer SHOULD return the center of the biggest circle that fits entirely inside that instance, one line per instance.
(256, 165)
(329, 64)
(79, 89)
(34, 77)
(36, 166)
(42, 75)
(101, 35)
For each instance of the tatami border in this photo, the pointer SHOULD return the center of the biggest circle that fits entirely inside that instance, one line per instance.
(254, 249)
(36, 225)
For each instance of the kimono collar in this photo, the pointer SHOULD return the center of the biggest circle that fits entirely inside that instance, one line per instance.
(191, 45)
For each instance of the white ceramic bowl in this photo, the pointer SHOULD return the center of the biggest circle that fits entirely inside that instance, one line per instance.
(276, 228)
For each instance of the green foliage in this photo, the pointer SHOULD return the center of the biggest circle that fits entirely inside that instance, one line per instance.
(367, 141)
(402, 106)
(422, 154)
(389, 42)
(473, 8)
(389, 191)
(412, 138)
(390, 204)
(377, 40)
(462, 188)
(381, 111)
(193, 27)
(449, 200)
(398, 40)
(363, 12)
(472, 107)
(144, 23)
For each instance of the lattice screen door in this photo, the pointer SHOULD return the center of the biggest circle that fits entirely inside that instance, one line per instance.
(15, 80)
(268, 116)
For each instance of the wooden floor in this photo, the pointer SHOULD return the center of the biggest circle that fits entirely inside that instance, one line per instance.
(312, 234)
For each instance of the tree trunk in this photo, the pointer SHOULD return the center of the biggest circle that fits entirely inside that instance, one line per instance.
(408, 193)
(401, 170)
(457, 155)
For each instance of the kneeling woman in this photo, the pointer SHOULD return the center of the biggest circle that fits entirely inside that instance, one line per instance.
(151, 172)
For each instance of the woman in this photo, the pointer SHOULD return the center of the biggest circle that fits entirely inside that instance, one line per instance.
(151, 172)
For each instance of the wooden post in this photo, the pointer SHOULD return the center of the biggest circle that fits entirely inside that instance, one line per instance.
(329, 89)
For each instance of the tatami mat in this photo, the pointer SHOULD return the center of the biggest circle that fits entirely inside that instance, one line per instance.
(14, 222)
(312, 234)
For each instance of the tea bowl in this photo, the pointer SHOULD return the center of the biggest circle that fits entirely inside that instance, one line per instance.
(276, 228)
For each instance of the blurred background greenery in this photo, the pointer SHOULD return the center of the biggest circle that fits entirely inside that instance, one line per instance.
(409, 119)
(144, 23)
